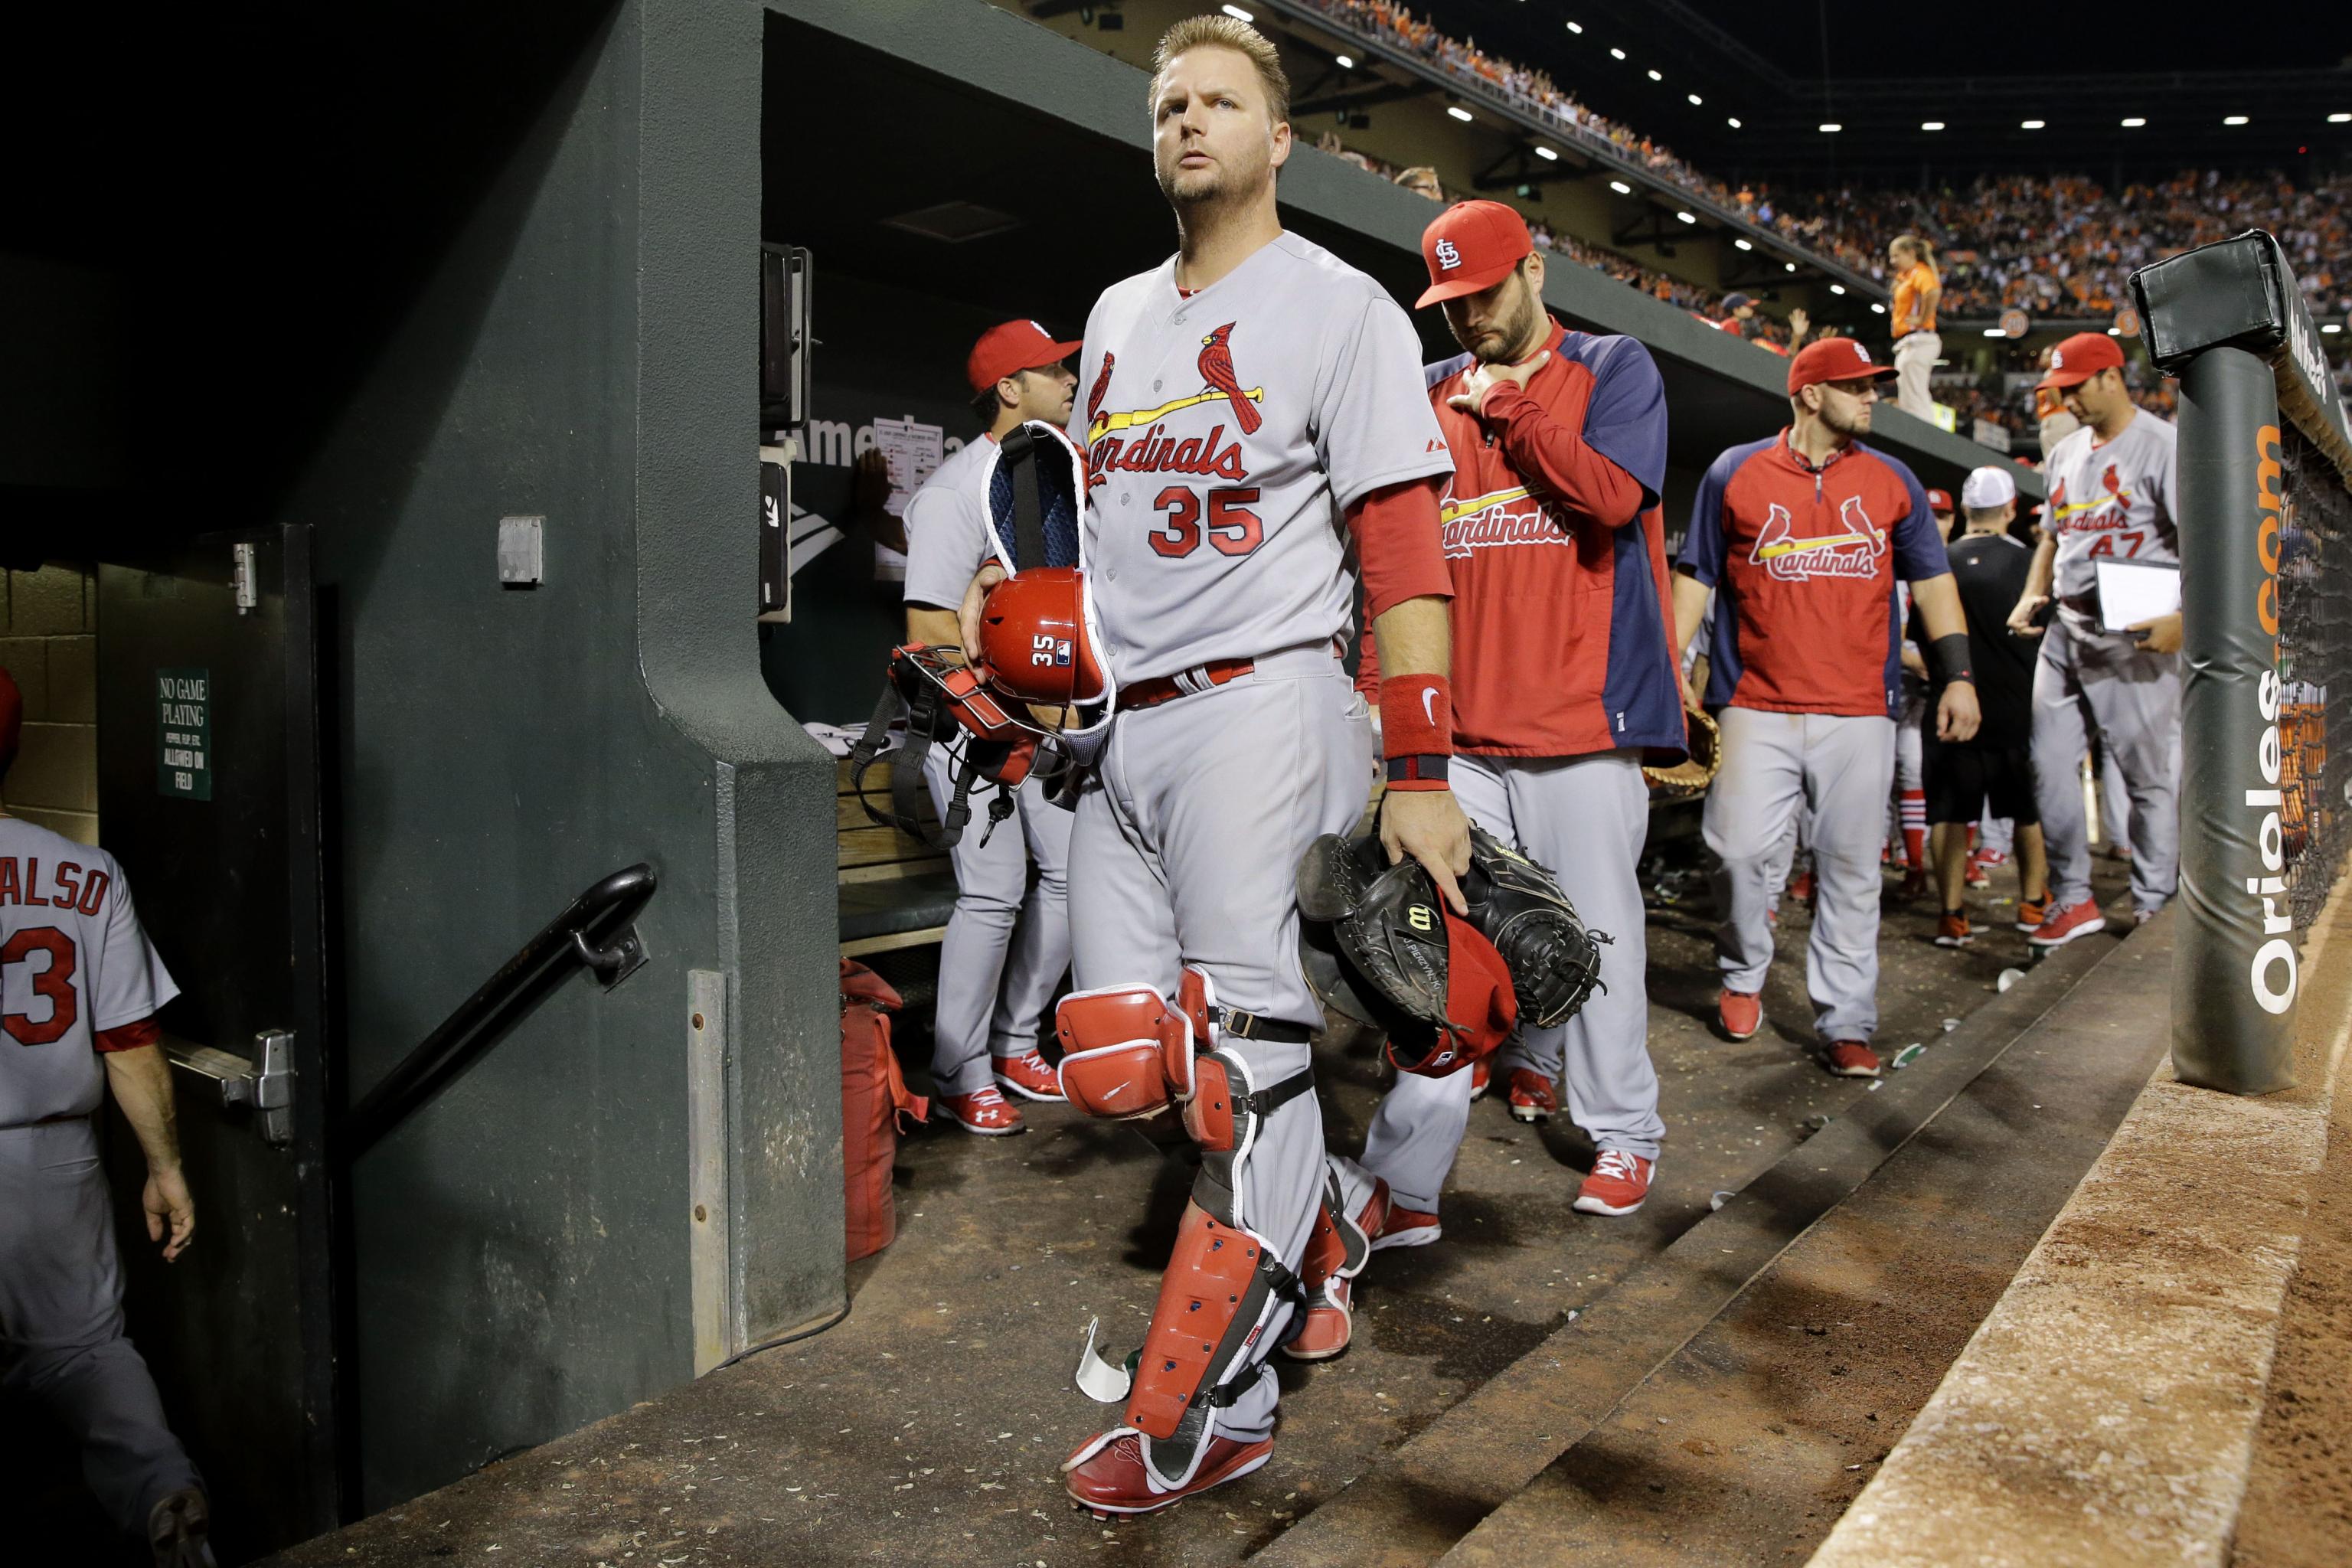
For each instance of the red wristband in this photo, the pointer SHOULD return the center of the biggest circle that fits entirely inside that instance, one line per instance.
(1416, 728)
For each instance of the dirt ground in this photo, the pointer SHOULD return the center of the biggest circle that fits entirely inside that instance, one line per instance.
(929, 1426)
(2298, 1508)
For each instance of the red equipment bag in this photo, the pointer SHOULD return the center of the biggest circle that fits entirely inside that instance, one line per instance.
(874, 1094)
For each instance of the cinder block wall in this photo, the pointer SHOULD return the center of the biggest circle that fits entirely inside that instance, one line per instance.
(48, 641)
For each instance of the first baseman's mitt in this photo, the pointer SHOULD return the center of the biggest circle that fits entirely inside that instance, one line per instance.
(1374, 942)
(1694, 774)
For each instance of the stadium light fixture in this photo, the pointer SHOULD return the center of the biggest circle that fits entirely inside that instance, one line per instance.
(1616, 54)
(1621, 187)
(1995, 332)
(1345, 63)
(1238, 15)
(1733, 122)
(1654, 76)
(1743, 244)
(1685, 217)
(1790, 266)
(2331, 327)
(1576, 27)
(2339, 120)
(1458, 112)
(2234, 119)
(1831, 126)
(1696, 99)
(1876, 308)
(1931, 125)
(2133, 123)
(2031, 124)
(1548, 155)
(1837, 287)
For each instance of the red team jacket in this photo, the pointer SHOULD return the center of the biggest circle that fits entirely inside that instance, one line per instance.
(1803, 563)
(1561, 603)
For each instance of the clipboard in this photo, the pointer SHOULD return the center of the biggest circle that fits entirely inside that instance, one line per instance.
(2131, 591)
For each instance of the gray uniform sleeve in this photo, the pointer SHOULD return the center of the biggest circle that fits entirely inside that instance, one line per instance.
(1373, 424)
(131, 981)
(947, 541)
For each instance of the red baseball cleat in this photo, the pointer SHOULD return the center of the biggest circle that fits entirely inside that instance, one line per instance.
(984, 1111)
(1336, 1251)
(1028, 1076)
(1800, 888)
(1952, 930)
(1106, 1474)
(2061, 926)
(2031, 913)
(1533, 1098)
(1480, 1071)
(1406, 1228)
(1851, 1058)
(1741, 1013)
(1977, 875)
(1617, 1185)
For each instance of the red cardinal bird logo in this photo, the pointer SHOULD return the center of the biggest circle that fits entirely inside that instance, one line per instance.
(1101, 387)
(2109, 481)
(1217, 370)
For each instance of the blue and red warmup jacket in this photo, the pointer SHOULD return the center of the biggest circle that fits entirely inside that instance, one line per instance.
(1557, 550)
(1803, 562)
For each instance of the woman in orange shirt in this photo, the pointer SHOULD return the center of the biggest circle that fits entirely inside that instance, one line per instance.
(1917, 347)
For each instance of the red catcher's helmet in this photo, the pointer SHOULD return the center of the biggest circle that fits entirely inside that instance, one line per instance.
(1033, 638)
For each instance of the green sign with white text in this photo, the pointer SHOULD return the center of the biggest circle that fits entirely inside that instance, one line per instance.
(184, 734)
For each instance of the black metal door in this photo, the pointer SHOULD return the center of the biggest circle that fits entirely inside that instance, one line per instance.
(209, 795)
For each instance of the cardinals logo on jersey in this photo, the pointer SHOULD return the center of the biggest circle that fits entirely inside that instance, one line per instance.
(1853, 549)
(1496, 519)
(2109, 509)
(1111, 449)
(1221, 385)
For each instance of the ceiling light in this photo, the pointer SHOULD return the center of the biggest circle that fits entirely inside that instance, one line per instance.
(1931, 125)
(2031, 124)
(2134, 123)
(2339, 120)
(1458, 112)
(2114, 331)
(1621, 187)
(2234, 119)
(1575, 26)
(1876, 308)
(1837, 287)
(1548, 155)
(1789, 265)
(1655, 76)
(1733, 122)
(1238, 15)
(1345, 63)
(1743, 244)
(1995, 332)
(1616, 54)
(1832, 125)
(1686, 218)
(1695, 99)
(2330, 327)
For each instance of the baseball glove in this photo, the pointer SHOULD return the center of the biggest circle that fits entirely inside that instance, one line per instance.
(1554, 961)
(1694, 774)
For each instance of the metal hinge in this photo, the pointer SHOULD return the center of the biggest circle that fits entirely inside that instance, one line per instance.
(249, 591)
(264, 1082)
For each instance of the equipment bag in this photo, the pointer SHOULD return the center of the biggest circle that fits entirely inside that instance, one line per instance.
(874, 1096)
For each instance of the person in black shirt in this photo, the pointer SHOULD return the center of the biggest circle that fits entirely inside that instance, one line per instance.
(1996, 764)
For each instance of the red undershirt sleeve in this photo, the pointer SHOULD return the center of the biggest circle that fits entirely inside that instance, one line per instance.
(1558, 458)
(1399, 545)
(128, 1036)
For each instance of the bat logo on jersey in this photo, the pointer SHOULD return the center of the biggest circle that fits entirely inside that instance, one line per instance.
(1852, 551)
(1495, 520)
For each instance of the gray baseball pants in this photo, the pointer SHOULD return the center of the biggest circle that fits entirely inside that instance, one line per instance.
(1186, 852)
(61, 1340)
(1000, 961)
(1836, 770)
(2086, 680)
(1584, 819)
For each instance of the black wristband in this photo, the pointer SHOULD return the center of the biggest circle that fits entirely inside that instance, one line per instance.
(1948, 658)
(1425, 770)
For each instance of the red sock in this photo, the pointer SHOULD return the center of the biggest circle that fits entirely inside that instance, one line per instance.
(1914, 806)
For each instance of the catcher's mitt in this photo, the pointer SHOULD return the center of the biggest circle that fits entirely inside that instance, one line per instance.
(1374, 943)
(1694, 774)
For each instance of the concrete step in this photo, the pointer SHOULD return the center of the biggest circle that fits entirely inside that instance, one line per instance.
(1419, 1502)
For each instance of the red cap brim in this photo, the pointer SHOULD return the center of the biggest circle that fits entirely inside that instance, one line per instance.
(1455, 288)
(2059, 379)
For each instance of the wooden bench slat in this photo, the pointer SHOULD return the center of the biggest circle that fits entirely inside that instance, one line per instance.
(872, 845)
(890, 870)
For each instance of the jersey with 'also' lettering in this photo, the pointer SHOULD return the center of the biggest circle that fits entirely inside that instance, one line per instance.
(1226, 432)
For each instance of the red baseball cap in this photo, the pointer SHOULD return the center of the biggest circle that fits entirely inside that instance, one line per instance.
(1012, 347)
(2080, 358)
(1471, 246)
(1833, 359)
(1940, 501)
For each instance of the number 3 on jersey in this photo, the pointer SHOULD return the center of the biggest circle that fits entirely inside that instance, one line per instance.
(54, 982)
(1233, 529)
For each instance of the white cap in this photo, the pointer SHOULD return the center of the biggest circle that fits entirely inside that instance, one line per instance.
(1989, 486)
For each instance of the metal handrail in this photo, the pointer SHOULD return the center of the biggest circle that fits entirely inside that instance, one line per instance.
(609, 908)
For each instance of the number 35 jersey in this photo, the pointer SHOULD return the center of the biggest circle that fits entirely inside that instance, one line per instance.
(2114, 500)
(73, 964)
(1226, 433)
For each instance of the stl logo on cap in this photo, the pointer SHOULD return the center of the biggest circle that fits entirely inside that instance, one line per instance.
(1448, 257)
(2057, 359)
(1862, 353)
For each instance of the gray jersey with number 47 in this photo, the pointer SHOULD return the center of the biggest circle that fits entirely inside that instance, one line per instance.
(1226, 433)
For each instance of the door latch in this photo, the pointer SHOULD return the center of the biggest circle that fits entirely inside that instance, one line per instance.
(264, 1082)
